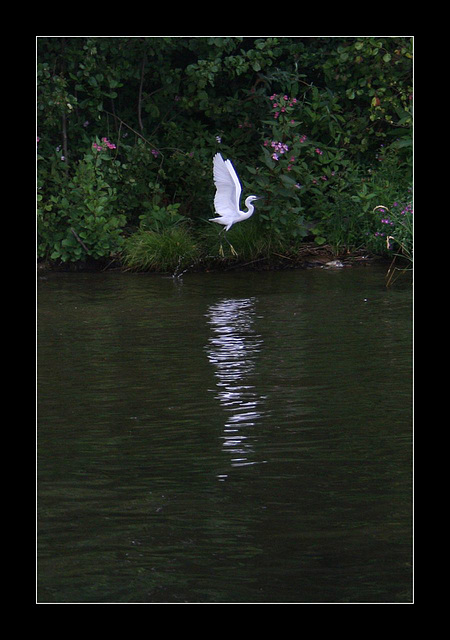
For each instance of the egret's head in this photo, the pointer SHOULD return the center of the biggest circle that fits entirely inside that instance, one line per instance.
(252, 198)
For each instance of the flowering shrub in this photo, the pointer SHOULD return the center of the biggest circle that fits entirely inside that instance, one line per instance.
(297, 173)
(79, 221)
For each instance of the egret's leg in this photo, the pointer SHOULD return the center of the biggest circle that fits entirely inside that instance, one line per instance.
(221, 253)
(233, 251)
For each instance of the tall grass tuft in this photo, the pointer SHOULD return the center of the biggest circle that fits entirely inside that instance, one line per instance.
(168, 251)
(249, 240)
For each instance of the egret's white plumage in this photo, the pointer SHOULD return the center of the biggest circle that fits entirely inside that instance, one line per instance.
(228, 194)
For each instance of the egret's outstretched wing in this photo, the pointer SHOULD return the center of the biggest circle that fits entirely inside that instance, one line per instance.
(228, 187)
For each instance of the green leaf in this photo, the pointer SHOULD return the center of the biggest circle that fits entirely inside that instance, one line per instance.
(288, 180)
(401, 144)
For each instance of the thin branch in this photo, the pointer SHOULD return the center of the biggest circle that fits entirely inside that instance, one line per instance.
(122, 122)
(77, 237)
(144, 60)
(64, 136)
(63, 116)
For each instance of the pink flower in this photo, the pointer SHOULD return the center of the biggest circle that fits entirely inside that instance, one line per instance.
(109, 144)
(106, 142)
(279, 146)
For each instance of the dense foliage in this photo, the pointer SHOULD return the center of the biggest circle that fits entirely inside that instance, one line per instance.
(127, 128)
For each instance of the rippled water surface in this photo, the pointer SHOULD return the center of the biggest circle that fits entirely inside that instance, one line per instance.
(224, 438)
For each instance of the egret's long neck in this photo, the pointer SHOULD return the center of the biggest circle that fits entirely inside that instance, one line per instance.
(250, 210)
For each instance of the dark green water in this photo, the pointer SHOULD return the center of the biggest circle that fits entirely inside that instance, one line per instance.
(227, 438)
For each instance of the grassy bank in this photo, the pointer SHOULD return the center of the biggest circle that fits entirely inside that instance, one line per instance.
(384, 232)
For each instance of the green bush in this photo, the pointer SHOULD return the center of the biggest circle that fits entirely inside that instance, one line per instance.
(76, 213)
(160, 218)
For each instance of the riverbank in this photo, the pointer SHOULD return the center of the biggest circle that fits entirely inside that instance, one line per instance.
(308, 256)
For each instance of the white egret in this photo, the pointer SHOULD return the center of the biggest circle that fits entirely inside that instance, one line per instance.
(228, 195)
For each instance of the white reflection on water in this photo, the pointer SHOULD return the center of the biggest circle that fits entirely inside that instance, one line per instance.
(232, 350)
